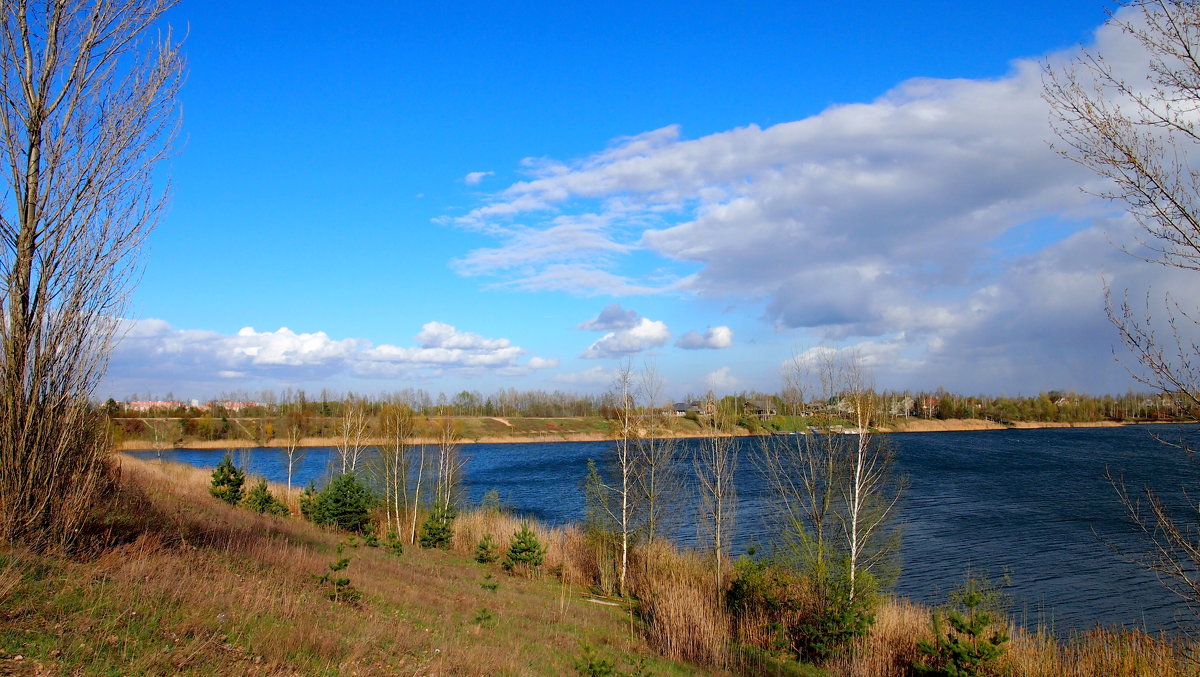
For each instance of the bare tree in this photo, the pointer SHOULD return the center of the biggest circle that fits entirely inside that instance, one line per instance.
(835, 493)
(86, 113)
(657, 481)
(1133, 123)
(449, 462)
(613, 490)
(352, 434)
(394, 457)
(715, 461)
(292, 451)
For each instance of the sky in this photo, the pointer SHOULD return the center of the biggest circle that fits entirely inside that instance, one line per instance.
(375, 196)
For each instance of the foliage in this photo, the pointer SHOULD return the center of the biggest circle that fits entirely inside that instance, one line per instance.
(971, 644)
(344, 503)
(227, 481)
(308, 501)
(489, 584)
(437, 531)
(830, 628)
(340, 589)
(260, 500)
(590, 664)
(393, 544)
(764, 593)
(525, 550)
(488, 550)
(485, 618)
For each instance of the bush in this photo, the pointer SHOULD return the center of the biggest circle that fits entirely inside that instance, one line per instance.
(344, 503)
(308, 501)
(831, 628)
(438, 528)
(261, 501)
(227, 481)
(487, 551)
(525, 550)
(966, 649)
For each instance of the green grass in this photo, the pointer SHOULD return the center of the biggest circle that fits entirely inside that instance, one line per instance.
(195, 587)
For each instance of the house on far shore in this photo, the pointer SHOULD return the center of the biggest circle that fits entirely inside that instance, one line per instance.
(707, 408)
(760, 409)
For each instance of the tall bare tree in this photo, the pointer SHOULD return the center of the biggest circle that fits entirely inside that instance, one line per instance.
(1134, 123)
(87, 110)
(835, 494)
(613, 490)
(715, 461)
(657, 482)
(395, 460)
(352, 434)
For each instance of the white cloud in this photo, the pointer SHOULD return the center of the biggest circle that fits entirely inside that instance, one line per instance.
(630, 333)
(475, 178)
(929, 228)
(713, 338)
(722, 380)
(155, 356)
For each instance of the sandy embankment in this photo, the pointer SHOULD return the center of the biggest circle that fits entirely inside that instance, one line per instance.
(960, 424)
(911, 426)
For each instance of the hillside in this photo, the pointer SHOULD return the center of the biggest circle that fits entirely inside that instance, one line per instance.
(179, 583)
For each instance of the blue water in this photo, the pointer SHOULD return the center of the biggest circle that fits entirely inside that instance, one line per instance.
(1033, 503)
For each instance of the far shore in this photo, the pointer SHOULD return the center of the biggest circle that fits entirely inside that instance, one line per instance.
(911, 426)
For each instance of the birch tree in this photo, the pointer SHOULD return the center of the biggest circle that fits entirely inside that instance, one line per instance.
(715, 461)
(657, 482)
(612, 490)
(834, 498)
(87, 111)
(394, 462)
(352, 434)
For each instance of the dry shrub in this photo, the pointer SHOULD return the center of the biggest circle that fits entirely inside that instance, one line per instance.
(1097, 652)
(891, 646)
(683, 609)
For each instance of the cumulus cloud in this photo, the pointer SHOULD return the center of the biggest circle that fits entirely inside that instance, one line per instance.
(159, 357)
(713, 338)
(628, 333)
(644, 335)
(475, 178)
(929, 227)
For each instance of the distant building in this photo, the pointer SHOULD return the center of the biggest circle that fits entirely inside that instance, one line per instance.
(761, 409)
(707, 408)
(147, 406)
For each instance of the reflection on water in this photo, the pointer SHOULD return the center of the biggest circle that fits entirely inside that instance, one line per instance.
(1034, 503)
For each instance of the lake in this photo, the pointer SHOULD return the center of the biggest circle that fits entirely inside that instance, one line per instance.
(1033, 503)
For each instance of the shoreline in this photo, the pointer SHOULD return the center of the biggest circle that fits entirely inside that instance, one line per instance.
(913, 426)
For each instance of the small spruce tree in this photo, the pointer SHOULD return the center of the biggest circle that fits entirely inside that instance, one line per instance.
(261, 501)
(344, 503)
(227, 481)
(488, 550)
(438, 528)
(525, 550)
(971, 644)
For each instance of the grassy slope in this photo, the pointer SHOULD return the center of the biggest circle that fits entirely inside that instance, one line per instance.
(197, 587)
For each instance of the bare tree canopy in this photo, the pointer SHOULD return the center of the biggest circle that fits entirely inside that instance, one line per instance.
(1134, 122)
(88, 111)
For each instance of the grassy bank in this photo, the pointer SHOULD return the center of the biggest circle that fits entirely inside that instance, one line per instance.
(172, 581)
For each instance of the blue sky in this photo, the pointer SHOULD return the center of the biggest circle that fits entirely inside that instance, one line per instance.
(527, 195)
